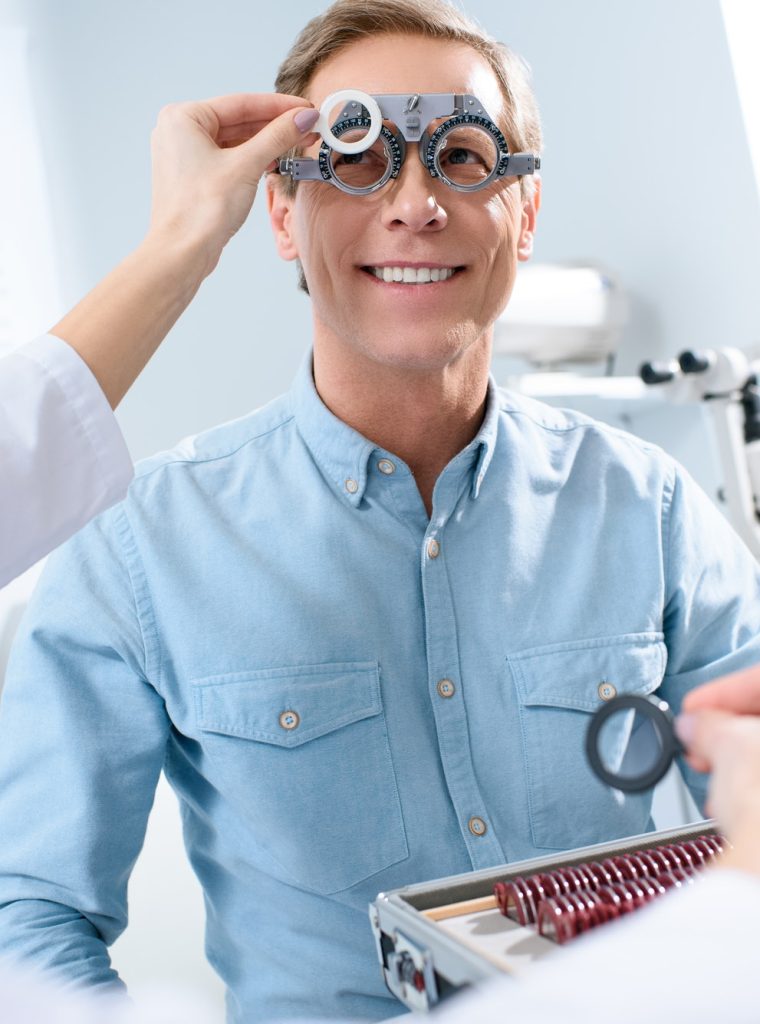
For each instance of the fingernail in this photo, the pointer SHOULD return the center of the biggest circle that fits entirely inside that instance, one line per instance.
(684, 725)
(306, 119)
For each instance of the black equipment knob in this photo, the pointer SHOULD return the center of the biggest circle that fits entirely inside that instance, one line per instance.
(694, 362)
(657, 373)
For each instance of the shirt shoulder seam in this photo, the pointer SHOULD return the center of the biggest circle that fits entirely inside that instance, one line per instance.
(144, 614)
(214, 457)
(585, 424)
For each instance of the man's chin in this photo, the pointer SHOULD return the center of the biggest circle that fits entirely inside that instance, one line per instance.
(406, 352)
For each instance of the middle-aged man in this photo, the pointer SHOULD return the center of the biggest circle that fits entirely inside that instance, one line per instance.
(362, 629)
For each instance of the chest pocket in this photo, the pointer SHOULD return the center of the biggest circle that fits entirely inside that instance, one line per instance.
(303, 755)
(558, 689)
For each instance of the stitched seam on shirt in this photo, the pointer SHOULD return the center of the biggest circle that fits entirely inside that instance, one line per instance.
(603, 428)
(283, 739)
(516, 673)
(327, 668)
(667, 522)
(639, 639)
(202, 460)
(135, 571)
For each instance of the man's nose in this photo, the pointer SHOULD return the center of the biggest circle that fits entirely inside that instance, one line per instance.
(412, 199)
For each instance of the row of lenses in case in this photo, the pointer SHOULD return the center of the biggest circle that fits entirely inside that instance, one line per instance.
(568, 901)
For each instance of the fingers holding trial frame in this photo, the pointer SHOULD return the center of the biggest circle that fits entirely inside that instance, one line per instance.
(209, 156)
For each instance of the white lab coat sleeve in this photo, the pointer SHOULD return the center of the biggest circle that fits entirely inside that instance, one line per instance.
(62, 455)
(693, 955)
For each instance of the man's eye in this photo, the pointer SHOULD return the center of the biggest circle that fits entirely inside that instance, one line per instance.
(461, 156)
(351, 158)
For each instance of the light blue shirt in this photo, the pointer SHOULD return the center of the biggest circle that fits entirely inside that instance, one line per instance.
(346, 696)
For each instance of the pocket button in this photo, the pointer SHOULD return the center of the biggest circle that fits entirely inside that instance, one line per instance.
(290, 720)
(606, 690)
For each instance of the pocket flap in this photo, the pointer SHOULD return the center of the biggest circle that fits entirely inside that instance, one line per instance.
(317, 698)
(570, 675)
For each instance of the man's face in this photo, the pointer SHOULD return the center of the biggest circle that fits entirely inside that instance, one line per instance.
(414, 220)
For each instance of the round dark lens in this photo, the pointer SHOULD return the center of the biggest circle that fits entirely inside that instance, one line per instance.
(467, 155)
(630, 745)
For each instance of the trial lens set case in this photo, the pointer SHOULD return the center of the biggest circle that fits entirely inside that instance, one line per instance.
(436, 937)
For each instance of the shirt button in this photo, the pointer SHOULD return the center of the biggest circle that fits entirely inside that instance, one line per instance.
(477, 826)
(386, 466)
(351, 486)
(446, 688)
(433, 548)
(606, 690)
(290, 720)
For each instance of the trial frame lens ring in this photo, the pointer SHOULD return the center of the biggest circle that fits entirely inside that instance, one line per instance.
(658, 714)
(434, 148)
(343, 96)
(393, 151)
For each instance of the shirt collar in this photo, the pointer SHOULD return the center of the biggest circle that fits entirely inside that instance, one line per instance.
(343, 454)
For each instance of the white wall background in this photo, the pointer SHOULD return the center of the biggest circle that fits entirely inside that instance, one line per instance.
(647, 170)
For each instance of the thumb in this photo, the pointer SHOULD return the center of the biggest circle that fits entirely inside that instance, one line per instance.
(260, 153)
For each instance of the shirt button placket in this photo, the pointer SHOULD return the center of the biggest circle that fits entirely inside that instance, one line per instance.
(448, 706)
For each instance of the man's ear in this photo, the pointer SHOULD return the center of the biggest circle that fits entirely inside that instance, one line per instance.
(530, 208)
(280, 208)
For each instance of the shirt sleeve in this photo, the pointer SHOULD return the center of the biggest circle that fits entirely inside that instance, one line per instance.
(83, 736)
(62, 454)
(691, 955)
(711, 615)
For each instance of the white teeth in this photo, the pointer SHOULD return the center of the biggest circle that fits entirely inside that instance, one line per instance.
(412, 275)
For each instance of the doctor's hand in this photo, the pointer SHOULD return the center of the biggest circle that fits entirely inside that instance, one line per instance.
(728, 746)
(739, 692)
(208, 159)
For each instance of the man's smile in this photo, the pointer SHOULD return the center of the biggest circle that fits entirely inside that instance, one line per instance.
(405, 273)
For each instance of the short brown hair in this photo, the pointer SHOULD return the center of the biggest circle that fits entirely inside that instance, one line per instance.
(346, 21)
